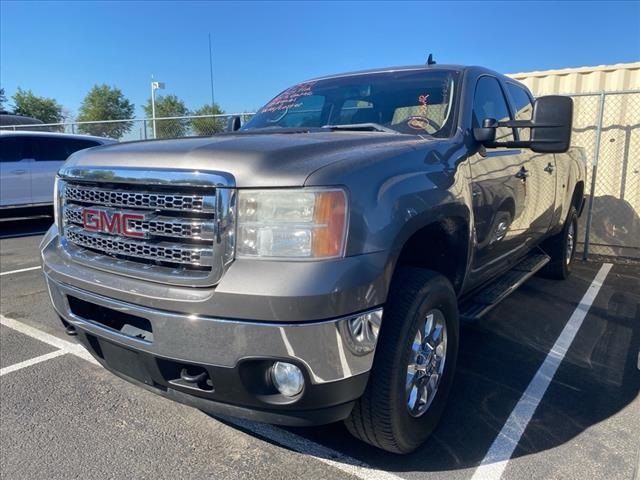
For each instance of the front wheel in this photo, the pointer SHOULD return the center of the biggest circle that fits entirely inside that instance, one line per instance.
(562, 248)
(414, 364)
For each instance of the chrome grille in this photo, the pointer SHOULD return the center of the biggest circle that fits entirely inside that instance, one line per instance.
(176, 235)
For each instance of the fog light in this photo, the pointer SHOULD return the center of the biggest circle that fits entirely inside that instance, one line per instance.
(287, 378)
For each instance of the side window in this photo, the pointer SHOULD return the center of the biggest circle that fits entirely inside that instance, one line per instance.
(522, 106)
(11, 149)
(58, 149)
(75, 144)
(489, 102)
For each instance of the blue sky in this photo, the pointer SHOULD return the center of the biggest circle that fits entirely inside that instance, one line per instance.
(61, 49)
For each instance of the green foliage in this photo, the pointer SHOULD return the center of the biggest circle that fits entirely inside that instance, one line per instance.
(105, 103)
(168, 106)
(3, 98)
(208, 126)
(44, 109)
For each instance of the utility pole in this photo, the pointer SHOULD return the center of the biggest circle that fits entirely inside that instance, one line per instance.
(211, 71)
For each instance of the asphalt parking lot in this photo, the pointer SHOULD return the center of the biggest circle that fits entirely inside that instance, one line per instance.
(62, 416)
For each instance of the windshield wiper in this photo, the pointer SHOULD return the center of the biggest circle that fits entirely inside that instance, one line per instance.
(364, 127)
(275, 129)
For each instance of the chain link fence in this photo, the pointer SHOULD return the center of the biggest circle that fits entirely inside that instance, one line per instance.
(606, 126)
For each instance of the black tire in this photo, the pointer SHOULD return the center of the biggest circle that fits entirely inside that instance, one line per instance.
(556, 247)
(381, 416)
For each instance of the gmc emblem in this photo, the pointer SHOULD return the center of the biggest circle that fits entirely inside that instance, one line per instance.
(117, 223)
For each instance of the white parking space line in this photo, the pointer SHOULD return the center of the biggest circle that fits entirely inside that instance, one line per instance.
(59, 343)
(11, 272)
(321, 453)
(31, 361)
(495, 461)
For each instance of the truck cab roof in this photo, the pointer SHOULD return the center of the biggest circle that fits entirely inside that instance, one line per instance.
(408, 68)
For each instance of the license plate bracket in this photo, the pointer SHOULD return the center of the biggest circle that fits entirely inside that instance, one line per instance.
(125, 361)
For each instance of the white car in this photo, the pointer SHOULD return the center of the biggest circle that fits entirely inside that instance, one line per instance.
(29, 162)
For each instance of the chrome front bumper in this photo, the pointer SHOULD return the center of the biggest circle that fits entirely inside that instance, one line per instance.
(320, 346)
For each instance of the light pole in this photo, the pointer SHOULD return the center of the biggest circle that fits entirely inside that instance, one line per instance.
(213, 101)
(154, 86)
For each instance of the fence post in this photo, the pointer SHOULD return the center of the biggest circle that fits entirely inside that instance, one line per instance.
(145, 129)
(594, 172)
(73, 128)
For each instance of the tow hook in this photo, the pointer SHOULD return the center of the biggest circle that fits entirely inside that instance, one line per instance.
(196, 378)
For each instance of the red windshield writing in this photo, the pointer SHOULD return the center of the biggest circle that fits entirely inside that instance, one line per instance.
(289, 98)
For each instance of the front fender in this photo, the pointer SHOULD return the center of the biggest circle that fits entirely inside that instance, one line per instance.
(393, 197)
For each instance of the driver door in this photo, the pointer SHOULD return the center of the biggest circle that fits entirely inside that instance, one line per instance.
(499, 189)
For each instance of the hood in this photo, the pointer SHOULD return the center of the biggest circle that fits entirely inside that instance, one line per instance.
(255, 160)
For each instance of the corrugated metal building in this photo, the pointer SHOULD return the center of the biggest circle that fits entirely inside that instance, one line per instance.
(608, 78)
(607, 126)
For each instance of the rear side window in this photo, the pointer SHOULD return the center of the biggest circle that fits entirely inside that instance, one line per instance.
(522, 106)
(58, 149)
(489, 102)
(356, 111)
(11, 149)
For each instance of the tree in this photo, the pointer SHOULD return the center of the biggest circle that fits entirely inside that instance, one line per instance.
(208, 126)
(105, 103)
(3, 99)
(168, 106)
(42, 108)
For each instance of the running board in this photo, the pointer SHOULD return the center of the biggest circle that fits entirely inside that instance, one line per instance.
(484, 300)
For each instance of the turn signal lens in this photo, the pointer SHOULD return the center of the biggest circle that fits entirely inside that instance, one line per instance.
(329, 216)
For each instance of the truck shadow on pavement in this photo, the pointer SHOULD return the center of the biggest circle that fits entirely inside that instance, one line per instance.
(32, 223)
(501, 354)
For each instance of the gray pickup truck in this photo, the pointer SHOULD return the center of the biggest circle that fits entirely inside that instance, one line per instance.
(314, 265)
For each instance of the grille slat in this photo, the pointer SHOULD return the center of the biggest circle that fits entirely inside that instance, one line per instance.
(157, 252)
(159, 225)
(140, 199)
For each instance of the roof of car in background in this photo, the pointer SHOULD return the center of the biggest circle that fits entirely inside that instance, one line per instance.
(33, 133)
(7, 118)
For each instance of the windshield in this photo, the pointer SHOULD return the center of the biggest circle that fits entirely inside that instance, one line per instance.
(415, 102)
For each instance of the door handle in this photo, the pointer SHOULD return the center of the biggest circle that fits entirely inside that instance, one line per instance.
(548, 168)
(522, 174)
(19, 172)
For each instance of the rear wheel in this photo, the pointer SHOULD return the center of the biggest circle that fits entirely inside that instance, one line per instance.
(562, 248)
(414, 364)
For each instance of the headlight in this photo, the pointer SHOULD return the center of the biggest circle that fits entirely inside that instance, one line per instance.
(304, 223)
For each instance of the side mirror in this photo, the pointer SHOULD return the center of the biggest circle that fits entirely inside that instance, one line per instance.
(550, 127)
(233, 123)
(487, 133)
(552, 122)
